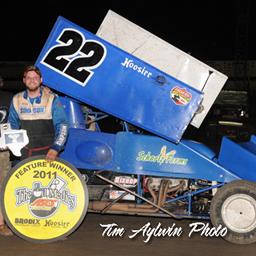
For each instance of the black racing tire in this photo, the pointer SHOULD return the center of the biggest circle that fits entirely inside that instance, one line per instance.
(234, 207)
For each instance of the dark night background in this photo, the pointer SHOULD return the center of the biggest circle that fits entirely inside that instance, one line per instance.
(209, 30)
(219, 33)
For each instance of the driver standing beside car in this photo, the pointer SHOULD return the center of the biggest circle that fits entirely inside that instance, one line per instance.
(41, 113)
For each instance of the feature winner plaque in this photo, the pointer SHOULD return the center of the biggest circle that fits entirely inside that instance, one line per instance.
(44, 201)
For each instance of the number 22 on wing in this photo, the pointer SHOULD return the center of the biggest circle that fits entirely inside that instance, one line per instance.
(74, 56)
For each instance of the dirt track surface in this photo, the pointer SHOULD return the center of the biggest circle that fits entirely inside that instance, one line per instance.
(88, 240)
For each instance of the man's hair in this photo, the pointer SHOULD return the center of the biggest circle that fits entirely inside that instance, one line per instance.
(32, 68)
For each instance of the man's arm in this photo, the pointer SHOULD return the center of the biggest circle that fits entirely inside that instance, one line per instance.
(60, 123)
(13, 117)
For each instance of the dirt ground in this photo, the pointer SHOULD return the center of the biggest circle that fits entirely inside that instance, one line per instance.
(88, 239)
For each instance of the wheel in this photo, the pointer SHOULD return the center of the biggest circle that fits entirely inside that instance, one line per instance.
(234, 207)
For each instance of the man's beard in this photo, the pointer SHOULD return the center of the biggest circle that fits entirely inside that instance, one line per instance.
(33, 89)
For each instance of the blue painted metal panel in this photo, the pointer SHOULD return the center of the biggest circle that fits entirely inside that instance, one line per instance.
(250, 145)
(201, 148)
(87, 68)
(90, 150)
(151, 155)
(139, 154)
(240, 158)
(74, 112)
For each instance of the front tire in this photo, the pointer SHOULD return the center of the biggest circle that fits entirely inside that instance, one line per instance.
(234, 206)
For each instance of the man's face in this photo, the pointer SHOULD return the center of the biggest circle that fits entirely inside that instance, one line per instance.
(32, 80)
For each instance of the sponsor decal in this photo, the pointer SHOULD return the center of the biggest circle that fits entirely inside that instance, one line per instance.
(126, 181)
(130, 64)
(44, 201)
(114, 194)
(163, 157)
(180, 96)
(28, 110)
(62, 135)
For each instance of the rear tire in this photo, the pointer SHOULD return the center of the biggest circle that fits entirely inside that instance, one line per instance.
(234, 207)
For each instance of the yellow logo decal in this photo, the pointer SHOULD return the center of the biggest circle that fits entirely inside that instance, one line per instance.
(44, 201)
